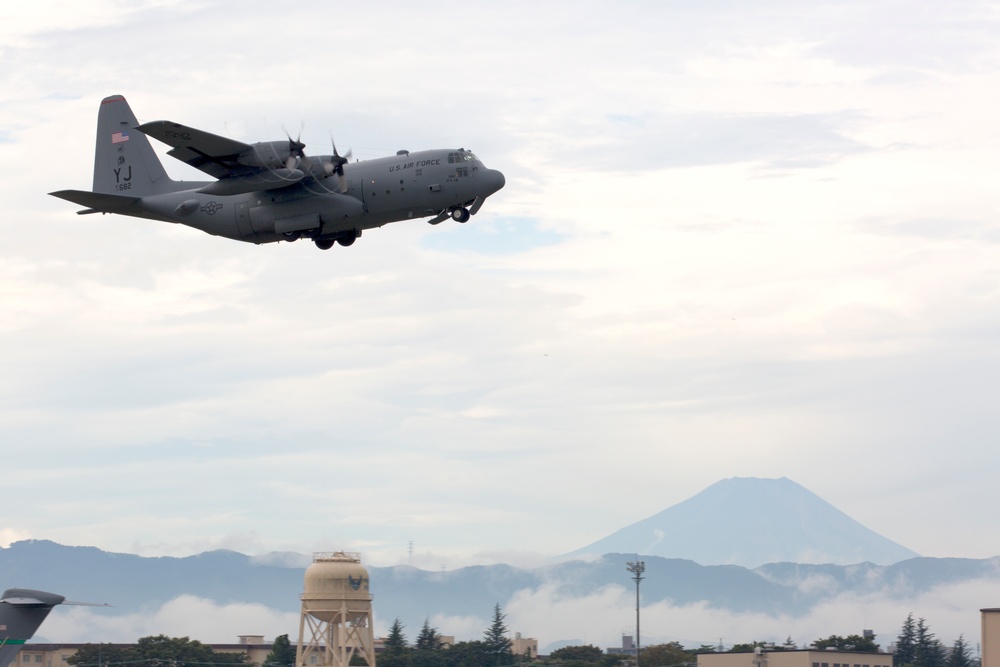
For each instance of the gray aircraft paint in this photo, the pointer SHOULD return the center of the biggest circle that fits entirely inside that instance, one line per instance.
(266, 192)
(22, 610)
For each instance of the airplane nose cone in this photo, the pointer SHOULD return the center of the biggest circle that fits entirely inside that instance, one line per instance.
(492, 181)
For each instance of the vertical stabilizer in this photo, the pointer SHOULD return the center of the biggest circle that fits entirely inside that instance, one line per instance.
(124, 161)
(21, 612)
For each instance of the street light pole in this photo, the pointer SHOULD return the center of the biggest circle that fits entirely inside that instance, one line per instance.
(636, 567)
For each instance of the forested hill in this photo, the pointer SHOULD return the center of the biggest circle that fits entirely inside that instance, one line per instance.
(131, 583)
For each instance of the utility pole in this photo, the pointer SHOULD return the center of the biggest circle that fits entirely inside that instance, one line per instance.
(636, 567)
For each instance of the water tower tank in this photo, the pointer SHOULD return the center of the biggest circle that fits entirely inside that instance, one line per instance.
(336, 584)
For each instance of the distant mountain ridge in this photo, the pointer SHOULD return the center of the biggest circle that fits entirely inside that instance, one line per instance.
(134, 583)
(752, 521)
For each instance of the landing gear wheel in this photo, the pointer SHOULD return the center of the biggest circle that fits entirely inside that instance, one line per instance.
(347, 240)
(291, 236)
(460, 214)
(323, 244)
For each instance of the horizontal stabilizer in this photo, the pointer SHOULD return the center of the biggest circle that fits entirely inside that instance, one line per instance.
(96, 201)
(25, 597)
(22, 601)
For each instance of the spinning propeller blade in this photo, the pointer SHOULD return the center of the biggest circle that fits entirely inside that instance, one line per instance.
(298, 158)
(296, 150)
(336, 166)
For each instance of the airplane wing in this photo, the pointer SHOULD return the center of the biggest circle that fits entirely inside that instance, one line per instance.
(216, 156)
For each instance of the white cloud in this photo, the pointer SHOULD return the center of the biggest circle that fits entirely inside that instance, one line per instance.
(599, 618)
(604, 615)
(184, 616)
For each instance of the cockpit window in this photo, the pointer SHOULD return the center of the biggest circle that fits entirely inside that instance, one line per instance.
(464, 156)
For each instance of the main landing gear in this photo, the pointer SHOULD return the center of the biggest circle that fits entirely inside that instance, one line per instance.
(345, 240)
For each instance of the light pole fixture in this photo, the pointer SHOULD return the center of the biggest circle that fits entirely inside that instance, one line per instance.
(636, 567)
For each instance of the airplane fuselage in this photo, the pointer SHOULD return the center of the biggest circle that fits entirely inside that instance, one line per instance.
(379, 191)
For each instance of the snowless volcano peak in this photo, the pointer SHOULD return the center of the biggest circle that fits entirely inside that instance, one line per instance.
(751, 521)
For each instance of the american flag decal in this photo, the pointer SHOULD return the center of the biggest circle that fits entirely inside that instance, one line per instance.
(119, 137)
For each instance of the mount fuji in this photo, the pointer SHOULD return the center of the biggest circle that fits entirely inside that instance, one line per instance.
(751, 521)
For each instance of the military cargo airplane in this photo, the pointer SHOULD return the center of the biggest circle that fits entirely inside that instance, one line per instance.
(272, 191)
(22, 610)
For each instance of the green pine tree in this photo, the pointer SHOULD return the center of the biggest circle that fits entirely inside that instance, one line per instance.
(282, 653)
(429, 639)
(396, 653)
(498, 644)
(906, 644)
(960, 655)
(929, 651)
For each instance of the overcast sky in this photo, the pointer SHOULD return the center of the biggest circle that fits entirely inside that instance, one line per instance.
(737, 239)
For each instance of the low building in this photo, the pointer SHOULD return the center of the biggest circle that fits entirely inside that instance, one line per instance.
(46, 655)
(252, 646)
(991, 637)
(627, 647)
(526, 646)
(796, 658)
(57, 655)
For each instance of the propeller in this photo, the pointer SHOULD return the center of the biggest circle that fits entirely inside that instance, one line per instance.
(296, 149)
(336, 165)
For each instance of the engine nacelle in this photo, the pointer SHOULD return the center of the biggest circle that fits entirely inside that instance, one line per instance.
(267, 155)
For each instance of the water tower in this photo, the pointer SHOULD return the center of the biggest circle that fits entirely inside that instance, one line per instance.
(337, 611)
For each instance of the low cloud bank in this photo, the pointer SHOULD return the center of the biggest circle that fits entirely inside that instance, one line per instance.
(599, 618)
(184, 616)
(602, 617)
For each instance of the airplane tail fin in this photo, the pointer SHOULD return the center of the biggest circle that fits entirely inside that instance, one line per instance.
(21, 612)
(124, 160)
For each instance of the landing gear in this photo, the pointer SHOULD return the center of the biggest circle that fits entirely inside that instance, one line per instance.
(291, 236)
(460, 214)
(345, 239)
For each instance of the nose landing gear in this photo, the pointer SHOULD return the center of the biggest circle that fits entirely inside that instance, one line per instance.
(460, 214)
